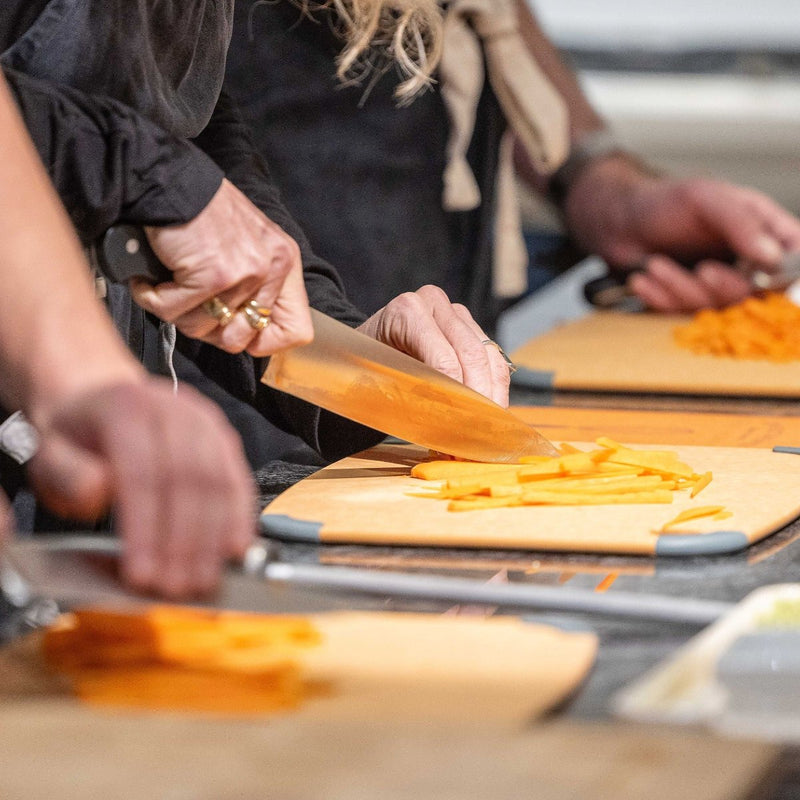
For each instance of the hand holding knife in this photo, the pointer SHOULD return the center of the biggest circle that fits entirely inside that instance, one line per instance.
(611, 291)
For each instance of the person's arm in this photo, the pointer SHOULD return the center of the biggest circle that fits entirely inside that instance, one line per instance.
(109, 164)
(110, 436)
(615, 205)
(583, 118)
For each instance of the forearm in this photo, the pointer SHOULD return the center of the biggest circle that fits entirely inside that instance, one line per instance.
(583, 117)
(55, 337)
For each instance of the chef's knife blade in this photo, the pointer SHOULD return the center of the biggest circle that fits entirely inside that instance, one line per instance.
(80, 570)
(610, 291)
(350, 374)
(362, 379)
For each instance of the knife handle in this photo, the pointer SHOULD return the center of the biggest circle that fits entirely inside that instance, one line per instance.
(124, 253)
(610, 291)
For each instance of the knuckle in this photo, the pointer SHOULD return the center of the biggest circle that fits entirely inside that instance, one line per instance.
(406, 304)
(433, 294)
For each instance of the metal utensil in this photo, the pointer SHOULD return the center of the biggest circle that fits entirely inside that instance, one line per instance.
(369, 382)
(357, 377)
(81, 569)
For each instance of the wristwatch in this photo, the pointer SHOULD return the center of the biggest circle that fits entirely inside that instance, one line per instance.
(589, 147)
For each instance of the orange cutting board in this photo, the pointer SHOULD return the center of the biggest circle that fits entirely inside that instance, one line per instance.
(409, 666)
(657, 427)
(627, 352)
(369, 498)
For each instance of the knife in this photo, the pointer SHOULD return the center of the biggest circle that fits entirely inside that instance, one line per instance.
(81, 569)
(610, 291)
(355, 376)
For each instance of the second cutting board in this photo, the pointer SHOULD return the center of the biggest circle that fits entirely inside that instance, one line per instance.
(369, 499)
(627, 352)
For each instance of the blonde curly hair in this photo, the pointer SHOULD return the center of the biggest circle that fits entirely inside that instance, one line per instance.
(379, 34)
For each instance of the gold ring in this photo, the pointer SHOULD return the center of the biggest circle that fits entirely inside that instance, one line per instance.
(512, 367)
(218, 310)
(262, 311)
(254, 319)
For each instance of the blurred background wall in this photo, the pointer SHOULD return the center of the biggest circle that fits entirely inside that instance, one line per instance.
(700, 86)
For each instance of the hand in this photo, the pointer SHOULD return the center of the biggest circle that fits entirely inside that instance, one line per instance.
(426, 325)
(171, 468)
(633, 218)
(233, 252)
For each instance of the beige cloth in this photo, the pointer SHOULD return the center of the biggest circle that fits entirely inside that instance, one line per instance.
(534, 110)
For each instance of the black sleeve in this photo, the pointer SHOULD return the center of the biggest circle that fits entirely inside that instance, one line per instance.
(228, 141)
(108, 163)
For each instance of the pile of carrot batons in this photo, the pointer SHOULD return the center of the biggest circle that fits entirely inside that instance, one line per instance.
(610, 474)
(180, 658)
(766, 328)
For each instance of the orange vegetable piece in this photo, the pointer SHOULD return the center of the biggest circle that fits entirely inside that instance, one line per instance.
(766, 328)
(611, 474)
(182, 658)
(692, 513)
(701, 484)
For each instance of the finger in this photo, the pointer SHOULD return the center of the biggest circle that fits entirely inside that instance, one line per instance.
(140, 476)
(750, 224)
(188, 551)
(676, 288)
(777, 225)
(500, 374)
(203, 535)
(70, 480)
(725, 285)
(289, 321)
(464, 339)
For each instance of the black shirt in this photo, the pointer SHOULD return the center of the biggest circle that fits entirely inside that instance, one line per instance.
(361, 175)
(123, 101)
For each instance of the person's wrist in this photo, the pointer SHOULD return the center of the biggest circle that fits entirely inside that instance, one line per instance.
(595, 153)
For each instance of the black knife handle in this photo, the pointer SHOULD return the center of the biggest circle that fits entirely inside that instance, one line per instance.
(610, 291)
(124, 253)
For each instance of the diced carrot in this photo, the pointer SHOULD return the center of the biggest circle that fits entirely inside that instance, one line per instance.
(765, 327)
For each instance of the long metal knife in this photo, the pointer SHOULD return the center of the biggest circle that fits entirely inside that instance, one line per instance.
(80, 569)
(362, 379)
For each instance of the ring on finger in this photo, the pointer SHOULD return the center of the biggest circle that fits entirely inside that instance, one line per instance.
(258, 308)
(218, 310)
(512, 367)
(255, 319)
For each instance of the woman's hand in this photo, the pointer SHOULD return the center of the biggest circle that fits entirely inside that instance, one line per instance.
(426, 325)
(231, 254)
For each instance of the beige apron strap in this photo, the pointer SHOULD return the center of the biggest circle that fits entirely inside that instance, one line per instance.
(534, 110)
(461, 75)
(510, 254)
(532, 106)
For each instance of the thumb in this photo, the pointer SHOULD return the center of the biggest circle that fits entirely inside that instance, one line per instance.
(70, 480)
